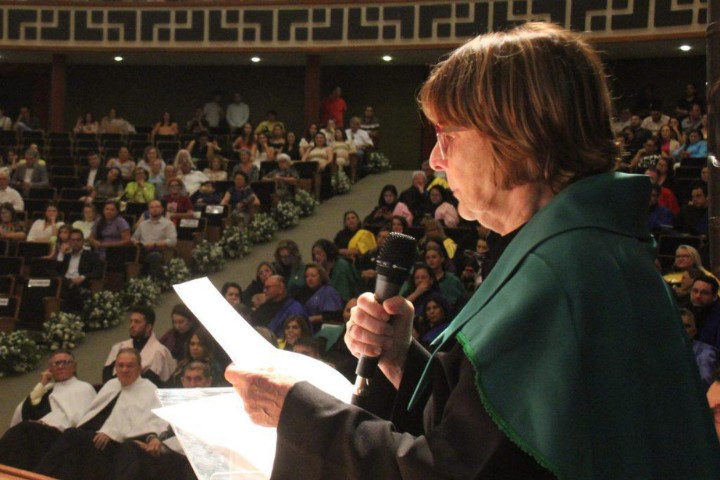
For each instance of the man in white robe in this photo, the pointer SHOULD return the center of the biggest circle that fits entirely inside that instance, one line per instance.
(157, 361)
(162, 456)
(121, 411)
(57, 402)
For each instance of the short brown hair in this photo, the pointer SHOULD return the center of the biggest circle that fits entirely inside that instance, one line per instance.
(538, 93)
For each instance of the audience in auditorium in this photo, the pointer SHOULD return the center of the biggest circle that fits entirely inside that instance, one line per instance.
(10, 227)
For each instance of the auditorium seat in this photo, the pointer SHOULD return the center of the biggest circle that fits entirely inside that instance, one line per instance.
(39, 298)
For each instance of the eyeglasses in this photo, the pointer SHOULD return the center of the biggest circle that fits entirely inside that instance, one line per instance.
(442, 141)
(267, 287)
(60, 363)
(682, 255)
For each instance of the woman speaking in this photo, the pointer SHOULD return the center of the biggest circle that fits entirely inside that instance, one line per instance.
(569, 361)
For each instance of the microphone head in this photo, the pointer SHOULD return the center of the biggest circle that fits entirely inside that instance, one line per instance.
(397, 256)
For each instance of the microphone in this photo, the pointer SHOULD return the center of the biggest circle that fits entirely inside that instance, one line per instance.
(393, 265)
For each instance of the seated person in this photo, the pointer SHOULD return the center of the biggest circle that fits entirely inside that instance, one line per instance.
(162, 456)
(414, 198)
(30, 173)
(10, 227)
(666, 197)
(383, 212)
(86, 224)
(420, 287)
(342, 148)
(353, 240)
(706, 308)
(285, 177)
(139, 191)
(322, 302)
(686, 257)
(451, 288)
(438, 315)
(9, 194)
(693, 218)
(365, 264)
(659, 217)
(253, 295)
(57, 402)
(109, 188)
(157, 362)
(77, 267)
(124, 163)
(121, 410)
(150, 154)
(45, 229)
(177, 203)
(278, 306)
(185, 171)
(184, 324)
(155, 235)
(706, 355)
(201, 347)
(204, 196)
(440, 208)
(241, 197)
(216, 171)
(246, 165)
(294, 328)
(110, 230)
(343, 275)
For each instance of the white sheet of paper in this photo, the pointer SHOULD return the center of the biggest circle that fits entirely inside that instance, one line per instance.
(221, 421)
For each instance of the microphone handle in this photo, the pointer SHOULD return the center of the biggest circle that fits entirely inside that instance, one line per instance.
(367, 366)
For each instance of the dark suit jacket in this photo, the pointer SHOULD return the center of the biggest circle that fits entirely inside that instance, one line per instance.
(91, 267)
(101, 174)
(39, 176)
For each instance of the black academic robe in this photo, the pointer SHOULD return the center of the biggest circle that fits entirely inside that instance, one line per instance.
(320, 437)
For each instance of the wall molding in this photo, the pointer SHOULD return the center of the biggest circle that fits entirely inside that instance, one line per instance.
(427, 24)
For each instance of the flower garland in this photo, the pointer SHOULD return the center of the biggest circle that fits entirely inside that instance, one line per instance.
(235, 242)
(340, 182)
(18, 353)
(141, 291)
(208, 257)
(286, 214)
(103, 310)
(262, 228)
(378, 162)
(306, 202)
(174, 272)
(63, 330)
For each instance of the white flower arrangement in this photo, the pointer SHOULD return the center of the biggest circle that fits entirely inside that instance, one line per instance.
(141, 291)
(262, 228)
(63, 330)
(235, 242)
(103, 310)
(306, 202)
(18, 353)
(378, 162)
(340, 182)
(208, 257)
(175, 271)
(286, 214)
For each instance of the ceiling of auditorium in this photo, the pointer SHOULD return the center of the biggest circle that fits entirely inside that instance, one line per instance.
(613, 50)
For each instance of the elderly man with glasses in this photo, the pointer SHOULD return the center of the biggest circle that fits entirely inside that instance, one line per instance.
(57, 402)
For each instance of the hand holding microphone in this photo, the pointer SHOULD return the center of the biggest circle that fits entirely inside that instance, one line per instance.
(380, 325)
